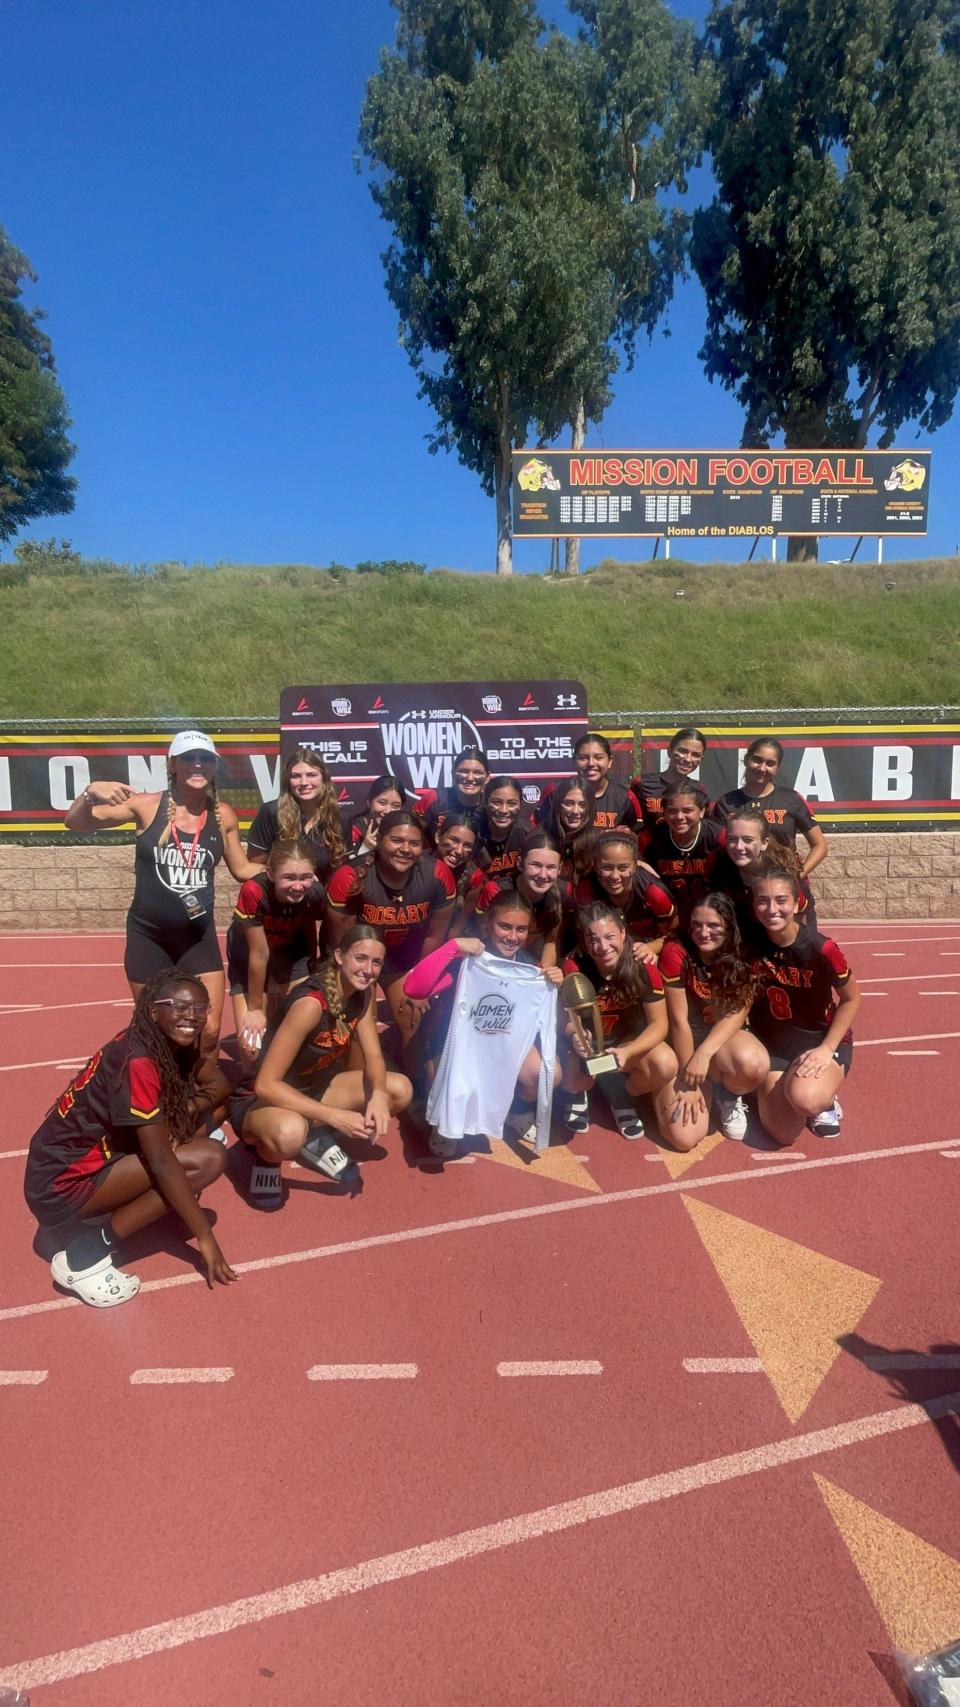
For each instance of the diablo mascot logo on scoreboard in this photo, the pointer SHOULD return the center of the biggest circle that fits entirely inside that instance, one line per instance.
(421, 746)
(414, 731)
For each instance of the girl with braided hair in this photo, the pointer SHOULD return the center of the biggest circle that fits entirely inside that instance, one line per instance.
(307, 806)
(306, 1096)
(127, 1141)
(710, 985)
(633, 1014)
(182, 834)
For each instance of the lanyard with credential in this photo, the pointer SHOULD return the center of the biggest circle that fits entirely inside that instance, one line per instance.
(188, 858)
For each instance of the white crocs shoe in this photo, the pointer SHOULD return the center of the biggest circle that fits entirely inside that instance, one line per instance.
(732, 1115)
(101, 1285)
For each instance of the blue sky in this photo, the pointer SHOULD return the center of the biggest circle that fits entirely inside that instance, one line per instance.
(182, 178)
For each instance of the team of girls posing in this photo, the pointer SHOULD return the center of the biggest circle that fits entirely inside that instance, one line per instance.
(694, 924)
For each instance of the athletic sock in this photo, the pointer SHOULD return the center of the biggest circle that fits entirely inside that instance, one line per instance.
(90, 1246)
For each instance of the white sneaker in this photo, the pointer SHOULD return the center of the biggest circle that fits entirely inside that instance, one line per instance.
(733, 1116)
(266, 1186)
(826, 1124)
(218, 1135)
(444, 1148)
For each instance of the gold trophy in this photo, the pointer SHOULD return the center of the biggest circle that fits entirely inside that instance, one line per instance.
(580, 1000)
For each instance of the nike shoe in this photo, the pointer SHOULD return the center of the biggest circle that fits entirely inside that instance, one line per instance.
(323, 1155)
(266, 1186)
(826, 1124)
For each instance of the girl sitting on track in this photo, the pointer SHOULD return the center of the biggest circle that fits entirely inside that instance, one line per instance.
(634, 1016)
(634, 888)
(614, 803)
(710, 987)
(406, 895)
(470, 775)
(360, 831)
(684, 846)
(806, 1033)
(127, 1142)
(535, 881)
(752, 851)
(570, 820)
(785, 810)
(273, 938)
(181, 835)
(500, 831)
(684, 755)
(307, 806)
(506, 925)
(306, 1096)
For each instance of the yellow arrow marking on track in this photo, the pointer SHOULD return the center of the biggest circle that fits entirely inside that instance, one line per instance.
(556, 1163)
(914, 1587)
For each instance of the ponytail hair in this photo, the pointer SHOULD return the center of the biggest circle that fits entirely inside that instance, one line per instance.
(695, 791)
(687, 733)
(775, 856)
(282, 850)
(627, 975)
(766, 741)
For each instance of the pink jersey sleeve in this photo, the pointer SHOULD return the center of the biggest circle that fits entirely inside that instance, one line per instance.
(430, 976)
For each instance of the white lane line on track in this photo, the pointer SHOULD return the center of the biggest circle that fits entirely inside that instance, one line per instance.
(20, 1007)
(913, 1051)
(919, 1037)
(723, 1366)
(468, 1544)
(937, 992)
(887, 954)
(908, 977)
(867, 941)
(58, 965)
(950, 954)
(28, 1066)
(9, 1155)
(951, 1155)
(363, 1372)
(785, 1155)
(866, 994)
(63, 1007)
(561, 1368)
(913, 1360)
(178, 1377)
(22, 1377)
(502, 1217)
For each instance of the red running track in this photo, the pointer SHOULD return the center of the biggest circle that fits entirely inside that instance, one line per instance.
(637, 1532)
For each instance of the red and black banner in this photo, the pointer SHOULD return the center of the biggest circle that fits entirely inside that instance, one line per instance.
(719, 494)
(414, 730)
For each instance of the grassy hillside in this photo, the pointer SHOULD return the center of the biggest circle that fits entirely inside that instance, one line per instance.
(226, 640)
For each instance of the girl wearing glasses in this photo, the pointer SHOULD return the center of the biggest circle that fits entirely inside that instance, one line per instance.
(182, 834)
(127, 1141)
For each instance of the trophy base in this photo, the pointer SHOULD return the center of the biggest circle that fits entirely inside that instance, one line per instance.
(597, 1064)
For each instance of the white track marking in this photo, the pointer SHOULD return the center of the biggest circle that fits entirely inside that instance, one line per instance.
(913, 1360)
(908, 978)
(913, 1051)
(889, 954)
(58, 965)
(177, 1377)
(29, 1066)
(362, 1372)
(950, 954)
(468, 1544)
(951, 1155)
(58, 936)
(867, 941)
(503, 1217)
(937, 992)
(723, 1366)
(8, 1155)
(786, 1154)
(22, 1377)
(866, 994)
(920, 1037)
(65, 1007)
(574, 1368)
(20, 1007)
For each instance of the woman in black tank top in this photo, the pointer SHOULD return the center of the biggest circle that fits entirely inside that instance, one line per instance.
(181, 836)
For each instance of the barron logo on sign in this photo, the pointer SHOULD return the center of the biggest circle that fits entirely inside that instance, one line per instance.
(303, 709)
(379, 708)
(528, 703)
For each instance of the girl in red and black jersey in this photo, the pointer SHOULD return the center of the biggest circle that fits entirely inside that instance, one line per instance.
(806, 1033)
(614, 803)
(306, 1097)
(684, 755)
(456, 845)
(500, 828)
(127, 1141)
(785, 810)
(403, 893)
(307, 806)
(470, 776)
(634, 1018)
(569, 821)
(752, 851)
(685, 845)
(360, 831)
(619, 877)
(535, 881)
(182, 835)
(273, 937)
(710, 987)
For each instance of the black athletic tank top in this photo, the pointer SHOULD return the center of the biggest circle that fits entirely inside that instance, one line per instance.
(173, 887)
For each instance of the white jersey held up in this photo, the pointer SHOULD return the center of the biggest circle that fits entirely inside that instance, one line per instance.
(501, 1007)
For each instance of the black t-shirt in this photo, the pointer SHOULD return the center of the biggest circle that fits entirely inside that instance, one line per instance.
(265, 830)
(729, 879)
(622, 1015)
(785, 810)
(687, 871)
(434, 807)
(496, 857)
(286, 925)
(796, 986)
(617, 805)
(401, 913)
(649, 790)
(327, 1046)
(649, 912)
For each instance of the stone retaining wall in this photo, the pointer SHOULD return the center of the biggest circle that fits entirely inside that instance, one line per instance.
(892, 876)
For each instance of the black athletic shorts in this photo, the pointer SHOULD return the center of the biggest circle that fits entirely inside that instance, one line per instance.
(188, 950)
(794, 1041)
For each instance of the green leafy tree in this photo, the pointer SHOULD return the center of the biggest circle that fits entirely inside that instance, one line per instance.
(474, 128)
(34, 448)
(830, 255)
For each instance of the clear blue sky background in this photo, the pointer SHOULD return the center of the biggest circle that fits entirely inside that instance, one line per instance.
(182, 177)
